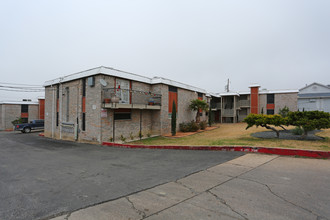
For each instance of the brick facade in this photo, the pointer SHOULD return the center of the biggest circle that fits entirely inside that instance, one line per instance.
(11, 112)
(100, 123)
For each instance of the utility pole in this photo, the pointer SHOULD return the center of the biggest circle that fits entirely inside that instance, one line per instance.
(227, 86)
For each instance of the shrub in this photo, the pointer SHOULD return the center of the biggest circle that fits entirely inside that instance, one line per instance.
(189, 126)
(203, 125)
(310, 120)
(122, 138)
(17, 121)
(297, 131)
(131, 135)
(173, 120)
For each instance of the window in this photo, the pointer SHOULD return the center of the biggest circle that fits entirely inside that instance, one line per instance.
(25, 120)
(67, 91)
(270, 99)
(121, 114)
(83, 122)
(270, 111)
(24, 108)
(123, 90)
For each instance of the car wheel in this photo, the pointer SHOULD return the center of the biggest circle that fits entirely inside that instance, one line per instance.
(27, 130)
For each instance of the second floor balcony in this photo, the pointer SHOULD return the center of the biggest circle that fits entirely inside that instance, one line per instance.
(115, 98)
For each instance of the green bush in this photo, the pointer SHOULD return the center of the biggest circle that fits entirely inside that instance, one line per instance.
(189, 126)
(297, 131)
(203, 125)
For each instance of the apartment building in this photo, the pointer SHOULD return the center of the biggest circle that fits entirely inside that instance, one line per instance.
(232, 107)
(106, 104)
(26, 109)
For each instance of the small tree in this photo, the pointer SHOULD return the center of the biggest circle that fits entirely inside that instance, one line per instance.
(266, 121)
(17, 121)
(284, 111)
(198, 105)
(173, 120)
(309, 120)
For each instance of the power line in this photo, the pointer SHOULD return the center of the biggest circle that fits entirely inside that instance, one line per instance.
(20, 84)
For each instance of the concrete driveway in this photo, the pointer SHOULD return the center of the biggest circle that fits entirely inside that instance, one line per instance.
(41, 178)
(253, 186)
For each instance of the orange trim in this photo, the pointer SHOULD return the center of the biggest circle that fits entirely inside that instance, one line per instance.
(41, 108)
(172, 96)
(270, 106)
(255, 100)
(24, 115)
(83, 104)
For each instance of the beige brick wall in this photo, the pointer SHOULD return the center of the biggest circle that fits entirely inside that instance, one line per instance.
(154, 122)
(10, 112)
(286, 99)
(281, 100)
(33, 112)
(263, 103)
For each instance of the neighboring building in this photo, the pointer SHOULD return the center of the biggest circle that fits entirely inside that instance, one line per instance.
(103, 104)
(26, 109)
(232, 107)
(314, 97)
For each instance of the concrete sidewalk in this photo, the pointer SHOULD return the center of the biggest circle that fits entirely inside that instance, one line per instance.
(253, 186)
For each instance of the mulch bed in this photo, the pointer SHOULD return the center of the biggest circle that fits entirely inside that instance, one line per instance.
(184, 134)
(288, 135)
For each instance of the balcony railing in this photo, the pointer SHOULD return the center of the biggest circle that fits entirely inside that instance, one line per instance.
(133, 99)
(244, 103)
(227, 112)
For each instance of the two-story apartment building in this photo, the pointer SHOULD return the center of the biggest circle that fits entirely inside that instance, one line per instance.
(106, 104)
(232, 107)
(26, 109)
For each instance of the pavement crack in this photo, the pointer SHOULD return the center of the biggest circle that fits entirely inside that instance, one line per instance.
(67, 216)
(187, 187)
(226, 204)
(214, 211)
(284, 199)
(141, 213)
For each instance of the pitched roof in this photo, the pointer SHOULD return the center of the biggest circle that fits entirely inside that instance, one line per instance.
(122, 74)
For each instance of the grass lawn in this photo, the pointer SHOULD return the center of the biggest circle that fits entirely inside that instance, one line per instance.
(235, 134)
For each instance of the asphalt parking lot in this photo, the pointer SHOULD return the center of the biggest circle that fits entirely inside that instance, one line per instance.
(41, 178)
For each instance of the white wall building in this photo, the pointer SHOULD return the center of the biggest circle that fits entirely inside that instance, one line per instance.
(314, 97)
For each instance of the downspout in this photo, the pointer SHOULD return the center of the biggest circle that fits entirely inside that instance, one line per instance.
(77, 116)
(100, 135)
(53, 110)
(60, 110)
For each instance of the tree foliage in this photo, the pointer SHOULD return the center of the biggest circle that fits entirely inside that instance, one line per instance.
(309, 120)
(284, 111)
(198, 105)
(266, 121)
(173, 120)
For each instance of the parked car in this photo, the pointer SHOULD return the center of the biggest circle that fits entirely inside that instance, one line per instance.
(27, 127)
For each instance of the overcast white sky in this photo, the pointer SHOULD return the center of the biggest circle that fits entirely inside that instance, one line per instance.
(280, 44)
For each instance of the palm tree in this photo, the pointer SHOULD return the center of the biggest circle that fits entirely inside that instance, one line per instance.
(198, 105)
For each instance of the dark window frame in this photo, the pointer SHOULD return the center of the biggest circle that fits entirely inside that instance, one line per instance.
(270, 112)
(270, 98)
(24, 108)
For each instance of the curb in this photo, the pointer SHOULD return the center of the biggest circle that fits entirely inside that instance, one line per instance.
(264, 150)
